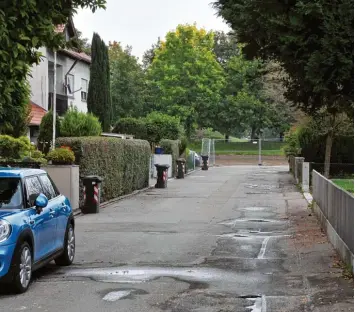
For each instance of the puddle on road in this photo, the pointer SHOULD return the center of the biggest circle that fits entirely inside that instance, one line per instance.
(116, 295)
(259, 304)
(113, 295)
(233, 222)
(147, 274)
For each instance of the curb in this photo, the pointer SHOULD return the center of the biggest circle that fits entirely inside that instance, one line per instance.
(77, 212)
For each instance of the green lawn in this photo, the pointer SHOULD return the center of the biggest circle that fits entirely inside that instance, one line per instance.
(346, 184)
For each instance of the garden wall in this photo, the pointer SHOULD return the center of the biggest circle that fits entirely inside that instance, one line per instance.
(123, 164)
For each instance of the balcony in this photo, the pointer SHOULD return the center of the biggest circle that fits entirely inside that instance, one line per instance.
(62, 103)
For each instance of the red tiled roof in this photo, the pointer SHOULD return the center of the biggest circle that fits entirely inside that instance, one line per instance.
(81, 56)
(37, 113)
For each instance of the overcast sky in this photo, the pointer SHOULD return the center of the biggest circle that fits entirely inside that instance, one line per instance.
(139, 23)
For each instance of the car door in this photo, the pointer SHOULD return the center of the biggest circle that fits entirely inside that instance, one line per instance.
(57, 203)
(42, 224)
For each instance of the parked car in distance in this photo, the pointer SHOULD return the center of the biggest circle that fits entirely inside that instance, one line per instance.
(36, 226)
(197, 160)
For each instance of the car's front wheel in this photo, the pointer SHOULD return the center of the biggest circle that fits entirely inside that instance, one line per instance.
(22, 267)
(67, 257)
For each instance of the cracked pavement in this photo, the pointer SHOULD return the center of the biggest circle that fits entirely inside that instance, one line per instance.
(236, 238)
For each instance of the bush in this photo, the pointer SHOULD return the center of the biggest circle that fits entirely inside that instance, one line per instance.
(292, 146)
(78, 124)
(46, 131)
(171, 147)
(133, 126)
(61, 156)
(161, 126)
(123, 164)
(14, 148)
(153, 127)
(182, 145)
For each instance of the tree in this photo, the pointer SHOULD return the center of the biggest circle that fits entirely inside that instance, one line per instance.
(149, 55)
(185, 77)
(127, 82)
(99, 97)
(24, 28)
(313, 41)
(225, 47)
(82, 43)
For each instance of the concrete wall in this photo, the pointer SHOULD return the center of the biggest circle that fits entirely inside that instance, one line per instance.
(66, 178)
(335, 210)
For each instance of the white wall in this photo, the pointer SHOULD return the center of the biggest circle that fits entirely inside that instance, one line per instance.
(39, 81)
(40, 85)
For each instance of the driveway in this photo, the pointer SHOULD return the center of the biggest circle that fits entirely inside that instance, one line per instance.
(228, 239)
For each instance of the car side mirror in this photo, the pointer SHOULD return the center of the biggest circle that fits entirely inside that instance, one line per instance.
(41, 202)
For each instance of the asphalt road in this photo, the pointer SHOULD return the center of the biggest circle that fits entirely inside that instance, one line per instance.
(228, 239)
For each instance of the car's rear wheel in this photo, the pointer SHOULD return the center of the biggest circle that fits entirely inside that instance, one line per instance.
(67, 257)
(22, 267)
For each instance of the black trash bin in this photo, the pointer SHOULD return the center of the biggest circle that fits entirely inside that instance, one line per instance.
(180, 168)
(91, 194)
(162, 176)
(204, 162)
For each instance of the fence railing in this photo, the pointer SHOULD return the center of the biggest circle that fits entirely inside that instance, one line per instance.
(190, 162)
(337, 206)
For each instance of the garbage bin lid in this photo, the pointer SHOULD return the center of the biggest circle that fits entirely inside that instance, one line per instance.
(162, 166)
(93, 178)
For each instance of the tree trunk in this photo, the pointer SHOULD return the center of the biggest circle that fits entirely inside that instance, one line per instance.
(226, 138)
(328, 153)
(253, 131)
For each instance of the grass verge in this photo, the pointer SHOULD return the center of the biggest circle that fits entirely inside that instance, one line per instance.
(346, 184)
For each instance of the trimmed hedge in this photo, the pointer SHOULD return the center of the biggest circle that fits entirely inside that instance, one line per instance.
(171, 147)
(123, 164)
(154, 127)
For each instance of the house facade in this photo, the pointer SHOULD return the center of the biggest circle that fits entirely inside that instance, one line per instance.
(72, 81)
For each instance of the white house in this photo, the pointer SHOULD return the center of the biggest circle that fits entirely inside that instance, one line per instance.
(72, 75)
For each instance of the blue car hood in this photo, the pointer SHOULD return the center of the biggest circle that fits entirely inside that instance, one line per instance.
(5, 213)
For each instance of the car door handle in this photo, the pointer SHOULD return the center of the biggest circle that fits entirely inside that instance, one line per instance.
(51, 212)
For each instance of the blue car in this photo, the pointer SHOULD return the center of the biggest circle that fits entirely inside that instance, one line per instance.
(36, 225)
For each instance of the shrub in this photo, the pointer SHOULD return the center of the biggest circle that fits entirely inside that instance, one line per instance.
(133, 126)
(153, 127)
(46, 131)
(14, 148)
(292, 146)
(61, 156)
(123, 164)
(37, 154)
(182, 145)
(161, 126)
(78, 124)
(171, 147)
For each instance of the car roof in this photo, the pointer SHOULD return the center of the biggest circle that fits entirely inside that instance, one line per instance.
(19, 172)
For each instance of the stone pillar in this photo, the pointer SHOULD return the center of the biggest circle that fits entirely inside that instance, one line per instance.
(305, 177)
(298, 169)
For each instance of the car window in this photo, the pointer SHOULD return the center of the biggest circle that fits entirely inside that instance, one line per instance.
(34, 188)
(48, 189)
(10, 193)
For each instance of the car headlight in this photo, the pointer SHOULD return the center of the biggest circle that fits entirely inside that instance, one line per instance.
(5, 230)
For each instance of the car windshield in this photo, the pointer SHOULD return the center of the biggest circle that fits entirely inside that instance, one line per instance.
(10, 193)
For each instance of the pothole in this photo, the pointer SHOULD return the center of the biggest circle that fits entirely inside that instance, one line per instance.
(249, 296)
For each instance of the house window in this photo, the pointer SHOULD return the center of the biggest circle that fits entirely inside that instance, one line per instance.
(70, 84)
(84, 90)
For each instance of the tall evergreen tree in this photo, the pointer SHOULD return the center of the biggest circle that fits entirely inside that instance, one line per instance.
(99, 98)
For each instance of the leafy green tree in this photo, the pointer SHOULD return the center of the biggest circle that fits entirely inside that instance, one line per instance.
(45, 136)
(149, 55)
(314, 43)
(225, 47)
(99, 96)
(127, 82)
(185, 78)
(78, 124)
(25, 27)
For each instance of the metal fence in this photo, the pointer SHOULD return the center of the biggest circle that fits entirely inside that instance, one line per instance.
(190, 162)
(337, 205)
(208, 149)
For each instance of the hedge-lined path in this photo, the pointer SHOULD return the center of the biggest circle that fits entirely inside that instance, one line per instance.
(228, 239)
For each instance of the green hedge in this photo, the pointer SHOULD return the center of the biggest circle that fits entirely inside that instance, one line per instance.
(154, 127)
(123, 164)
(171, 147)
